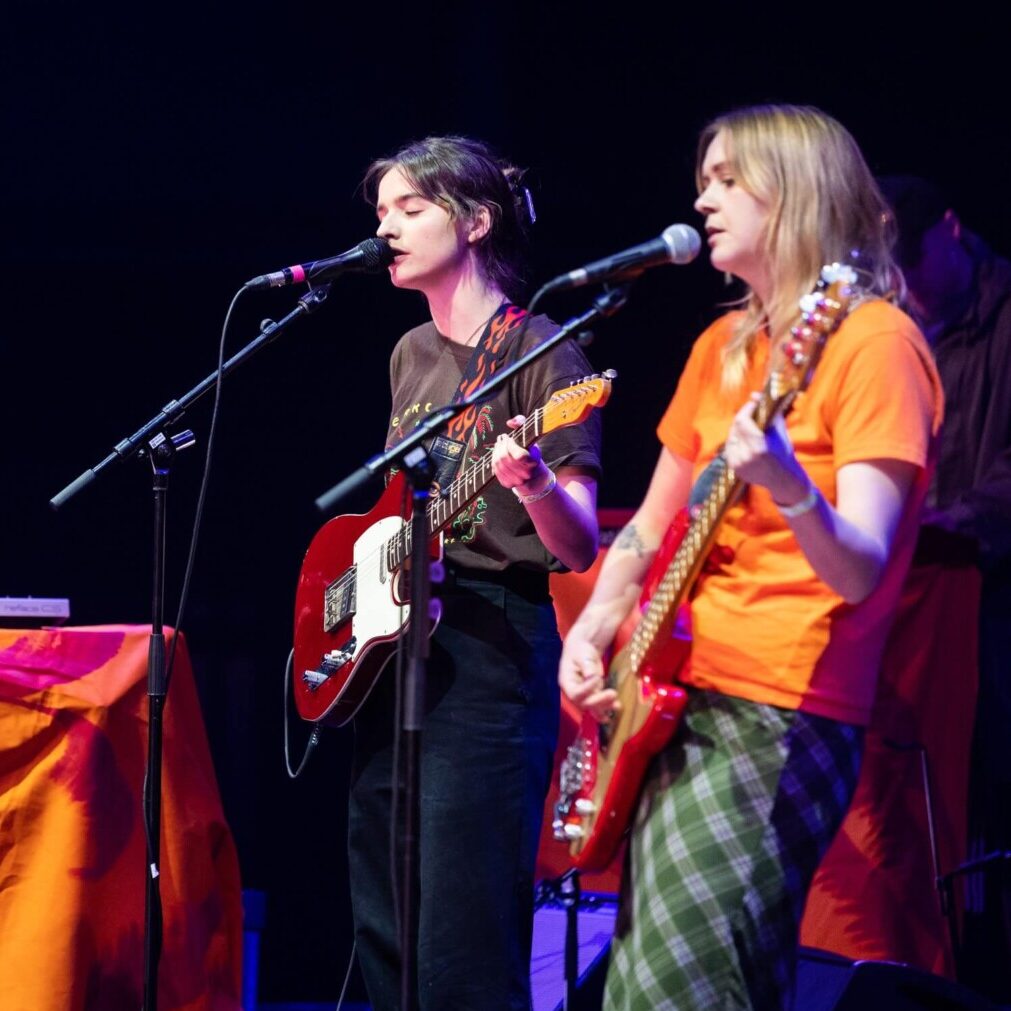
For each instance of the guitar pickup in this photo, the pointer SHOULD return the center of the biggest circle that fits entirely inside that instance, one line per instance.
(340, 600)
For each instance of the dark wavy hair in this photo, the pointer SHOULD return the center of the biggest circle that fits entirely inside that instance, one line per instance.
(464, 175)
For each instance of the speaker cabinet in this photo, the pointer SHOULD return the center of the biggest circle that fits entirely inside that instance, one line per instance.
(826, 982)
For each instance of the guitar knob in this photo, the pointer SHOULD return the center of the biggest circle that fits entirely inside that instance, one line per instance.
(313, 679)
(585, 806)
(574, 832)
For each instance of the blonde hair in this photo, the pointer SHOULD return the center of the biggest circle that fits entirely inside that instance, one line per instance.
(824, 207)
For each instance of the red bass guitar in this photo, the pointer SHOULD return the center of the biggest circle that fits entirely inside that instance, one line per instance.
(348, 611)
(603, 772)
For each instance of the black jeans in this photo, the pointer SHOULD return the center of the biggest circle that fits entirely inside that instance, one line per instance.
(486, 756)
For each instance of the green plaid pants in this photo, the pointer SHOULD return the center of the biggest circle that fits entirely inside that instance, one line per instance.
(735, 815)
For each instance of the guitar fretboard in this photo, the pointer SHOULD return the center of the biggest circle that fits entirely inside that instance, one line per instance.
(657, 622)
(465, 487)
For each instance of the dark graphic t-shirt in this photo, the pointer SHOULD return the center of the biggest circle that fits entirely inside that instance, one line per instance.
(494, 530)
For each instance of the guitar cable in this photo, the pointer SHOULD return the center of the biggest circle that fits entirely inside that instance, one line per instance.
(314, 735)
(347, 977)
(205, 478)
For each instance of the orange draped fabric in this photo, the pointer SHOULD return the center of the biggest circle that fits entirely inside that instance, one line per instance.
(874, 896)
(73, 745)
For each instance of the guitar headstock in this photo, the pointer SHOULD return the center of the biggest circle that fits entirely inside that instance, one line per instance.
(796, 355)
(571, 405)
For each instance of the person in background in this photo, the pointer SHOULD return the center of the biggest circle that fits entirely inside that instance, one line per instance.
(960, 293)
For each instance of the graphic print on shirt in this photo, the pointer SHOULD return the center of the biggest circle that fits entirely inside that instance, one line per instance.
(465, 524)
(448, 459)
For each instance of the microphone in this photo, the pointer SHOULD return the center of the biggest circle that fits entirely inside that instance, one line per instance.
(677, 244)
(369, 256)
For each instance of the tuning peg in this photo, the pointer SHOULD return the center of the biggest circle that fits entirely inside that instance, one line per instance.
(833, 272)
(793, 349)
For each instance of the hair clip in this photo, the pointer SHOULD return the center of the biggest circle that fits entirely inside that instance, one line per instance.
(529, 201)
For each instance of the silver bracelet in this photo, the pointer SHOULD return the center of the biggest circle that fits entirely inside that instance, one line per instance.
(538, 495)
(805, 505)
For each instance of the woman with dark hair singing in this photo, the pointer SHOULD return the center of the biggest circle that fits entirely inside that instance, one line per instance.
(789, 616)
(456, 218)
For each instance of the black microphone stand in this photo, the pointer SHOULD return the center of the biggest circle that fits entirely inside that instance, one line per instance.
(161, 451)
(419, 468)
(566, 891)
(410, 455)
(153, 441)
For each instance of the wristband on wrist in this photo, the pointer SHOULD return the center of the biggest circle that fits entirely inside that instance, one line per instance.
(805, 505)
(538, 495)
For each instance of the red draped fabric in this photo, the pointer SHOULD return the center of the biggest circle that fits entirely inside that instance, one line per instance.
(73, 743)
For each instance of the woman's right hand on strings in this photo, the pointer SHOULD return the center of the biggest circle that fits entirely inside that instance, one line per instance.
(581, 677)
(581, 673)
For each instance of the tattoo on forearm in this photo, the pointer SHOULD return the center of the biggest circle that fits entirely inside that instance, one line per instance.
(630, 540)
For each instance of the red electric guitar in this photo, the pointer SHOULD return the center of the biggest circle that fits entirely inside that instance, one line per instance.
(348, 612)
(602, 774)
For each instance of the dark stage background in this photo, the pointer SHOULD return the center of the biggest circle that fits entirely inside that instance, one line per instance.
(157, 157)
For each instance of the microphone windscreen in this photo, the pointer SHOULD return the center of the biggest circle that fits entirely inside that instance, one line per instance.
(376, 253)
(683, 242)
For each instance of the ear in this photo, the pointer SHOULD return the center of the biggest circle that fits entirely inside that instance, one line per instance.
(952, 224)
(479, 225)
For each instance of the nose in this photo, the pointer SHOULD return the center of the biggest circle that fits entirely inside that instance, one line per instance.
(704, 203)
(386, 229)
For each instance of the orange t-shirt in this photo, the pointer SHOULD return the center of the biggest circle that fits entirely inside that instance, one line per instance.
(765, 627)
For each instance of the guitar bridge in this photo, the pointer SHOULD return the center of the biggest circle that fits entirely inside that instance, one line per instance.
(329, 664)
(572, 775)
(572, 778)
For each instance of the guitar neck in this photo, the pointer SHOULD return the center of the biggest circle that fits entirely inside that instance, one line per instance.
(460, 492)
(657, 623)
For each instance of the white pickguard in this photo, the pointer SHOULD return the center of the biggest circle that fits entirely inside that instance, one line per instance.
(377, 614)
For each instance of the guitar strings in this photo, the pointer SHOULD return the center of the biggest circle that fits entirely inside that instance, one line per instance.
(388, 556)
(396, 548)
